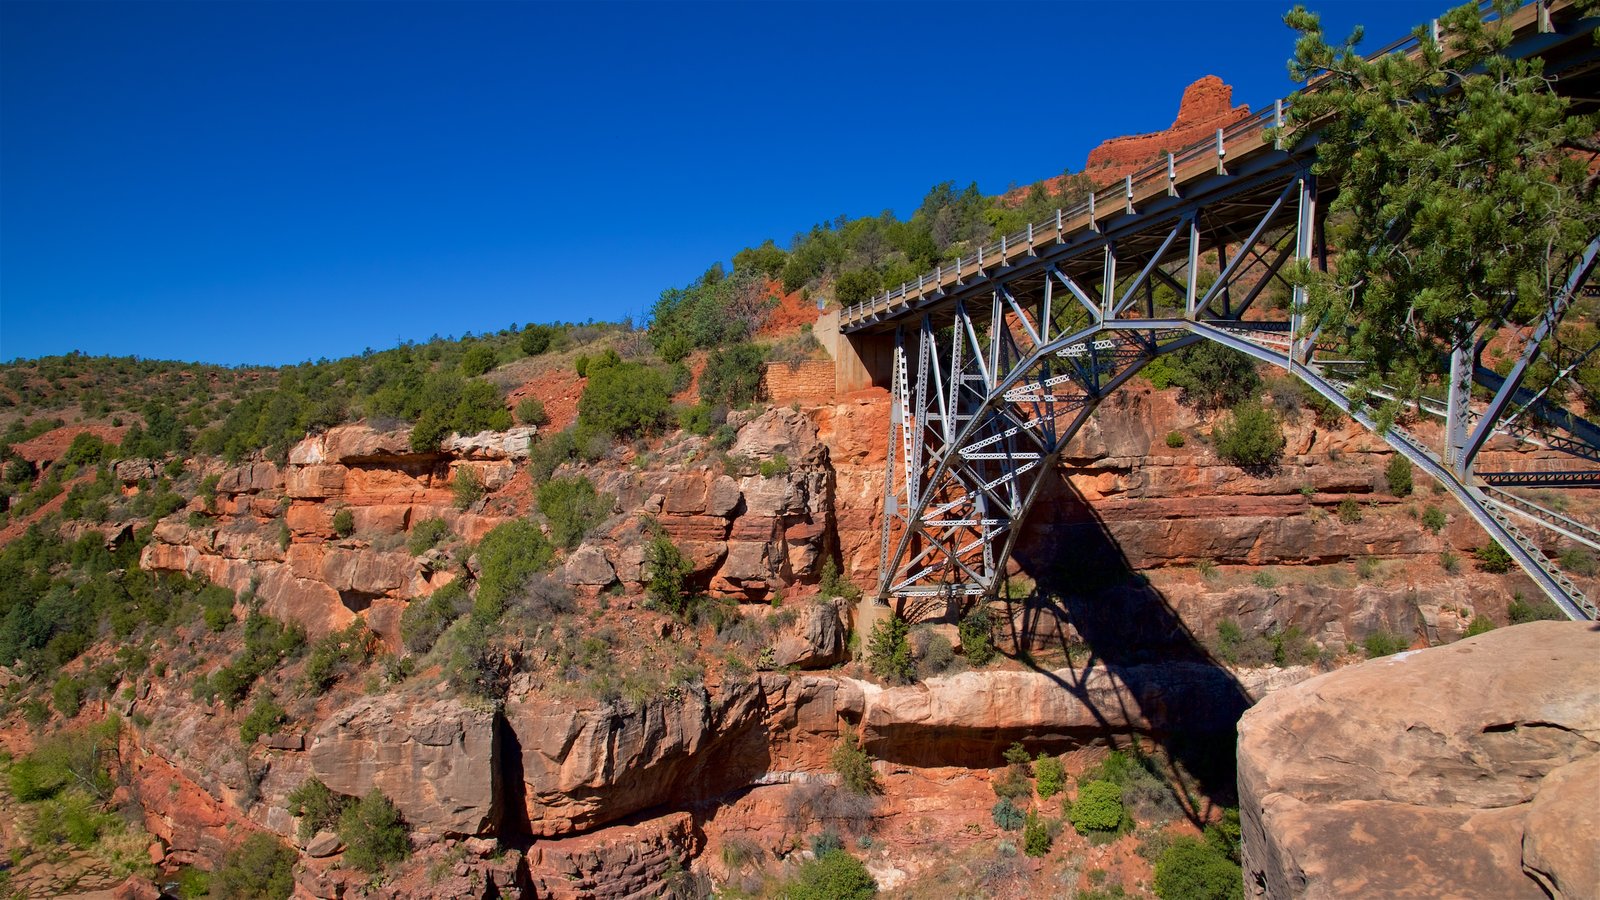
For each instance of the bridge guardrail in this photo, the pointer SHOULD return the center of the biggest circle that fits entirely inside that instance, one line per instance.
(1247, 128)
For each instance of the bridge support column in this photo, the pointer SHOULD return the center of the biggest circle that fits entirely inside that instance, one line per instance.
(862, 361)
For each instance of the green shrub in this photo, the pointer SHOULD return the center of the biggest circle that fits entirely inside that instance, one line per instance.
(536, 339)
(626, 400)
(1035, 836)
(835, 875)
(854, 766)
(977, 638)
(1049, 775)
(259, 868)
(344, 523)
(317, 807)
(65, 760)
(889, 651)
(530, 411)
(264, 718)
(1383, 643)
(1251, 436)
(1212, 376)
(831, 585)
(1433, 519)
(373, 833)
(1191, 870)
(1098, 808)
(67, 695)
(425, 619)
(216, 605)
(1175, 439)
(1493, 558)
(1480, 624)
(1349, 511)
(732, 376)
(667, 571)
(573, 509)
(696, 419)
(1006, 815)
(1398, 474)
(1450, 562)
(336, 655)
(581, 366)
(1519, 610)
(466, 487)
(426, 535)
(478, 360)
(1578, 561)
(507, 557)
(777, 465)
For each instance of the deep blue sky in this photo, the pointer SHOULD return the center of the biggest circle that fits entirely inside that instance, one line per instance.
(246, 182)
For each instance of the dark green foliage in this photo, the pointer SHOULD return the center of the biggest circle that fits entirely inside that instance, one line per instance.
(466, 488)
(1098, 807)
(831, 585)
(75, 760)
(1383, 643)
(977, 638)
(1433, 519)
(1192, 870)
(1211, 376)
(1493, 558)
(478, 360)
(1578, 562)
(1049, 774)
(776, 465)
(267, 642)
(696, 419)
(507, 557)
(766, 260)
(1469, 192)
(67, 695)
(712, 312)
(1349, 511)
(425, 619)
(889, 651)
(1480, 624)
(1035, 836)
(264, 718)
(259, 868)
(449, 404)
(530, 411)
(536, 339)
(374, 835)
(1251, 436)
(835, 875)
(854, 767)
(426, 535)
(1398, 474)
(337, 654)
(667, 571)
(1006, 815)
(573, 508)
(1520, 610)
(317, 807)
(626, 400)
(550, 452)
(344, 523)
(732, 376)
(856, 286)
(1175, 439)
(87, 449)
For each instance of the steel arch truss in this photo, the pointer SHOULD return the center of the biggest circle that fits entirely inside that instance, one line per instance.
(994, 377)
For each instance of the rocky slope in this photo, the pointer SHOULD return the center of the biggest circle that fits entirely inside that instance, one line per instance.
(1467, 770)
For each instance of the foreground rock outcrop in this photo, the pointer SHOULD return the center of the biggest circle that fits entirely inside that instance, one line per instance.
(1466, 770)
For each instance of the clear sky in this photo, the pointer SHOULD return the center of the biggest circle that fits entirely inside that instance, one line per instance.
(242, 182)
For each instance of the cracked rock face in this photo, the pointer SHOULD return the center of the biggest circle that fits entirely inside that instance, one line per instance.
(1448, 771)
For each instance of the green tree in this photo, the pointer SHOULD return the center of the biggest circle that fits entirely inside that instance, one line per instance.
(835, 875)
(854, 766)
(1438, 159)
(1251, 436)
(732, 376)
(373, 832)
(627, 400)
(977, 640)
(1035, 836)
(856, 286)
(1493, 558)
(667, 571)
(259, 868)
(1191, 870)
(1049, 775)
(344, 523)
(508, 556)
(889, 651)
(1098, 807)
(573, 508)
(1398, 474)
(478, 360)
(536, 339)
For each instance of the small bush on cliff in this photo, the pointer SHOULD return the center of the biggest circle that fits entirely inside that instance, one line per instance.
(1192, 870)
(835, 875)
(831, 585)
(530, 411)
(1251, 436)
(478, 360)
(1049, 776)
(507, 557)
(854, 766)
(344, 523)
(1212, 376)
(427, 618)
(1433, 519)
(216, 605)
(373, 832)
(337, 655)
(1036, 838)
(1006, 815)
(536, 339)
(977, 637)
(466, 488)
(626, 400)
(1493, 558)
(1098, 808)
(1398, 474)
(667, 571)
(1520, 610)
(732, 375)
(259, 868)
(264, 718)
(317, 807)
(889, 651)
(267, 642)
(573, 508)
(1479, 625)
(1383, 643)
(426, 535)
(1349, 511)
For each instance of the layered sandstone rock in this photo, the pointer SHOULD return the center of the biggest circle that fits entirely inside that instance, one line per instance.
(1448, 771)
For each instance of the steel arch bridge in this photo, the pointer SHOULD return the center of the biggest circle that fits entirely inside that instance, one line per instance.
(996, 361)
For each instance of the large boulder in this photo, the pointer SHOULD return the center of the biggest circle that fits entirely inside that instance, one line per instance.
(436, 759)
(1447, 771)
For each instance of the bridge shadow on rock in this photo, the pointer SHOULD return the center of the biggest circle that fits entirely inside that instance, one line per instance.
(1091, 607)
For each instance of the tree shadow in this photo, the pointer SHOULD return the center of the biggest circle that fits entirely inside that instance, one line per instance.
(1091, 605)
